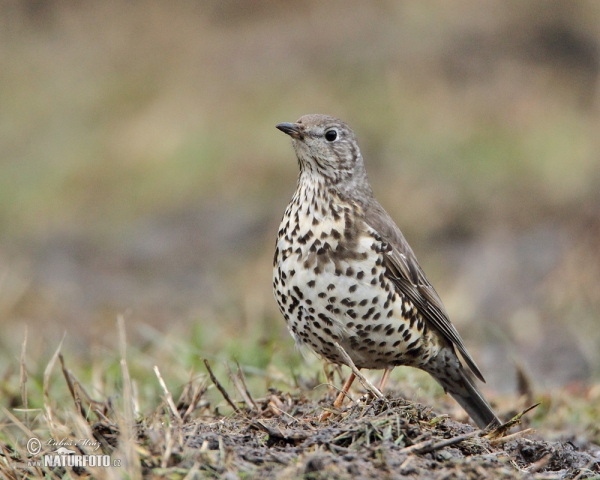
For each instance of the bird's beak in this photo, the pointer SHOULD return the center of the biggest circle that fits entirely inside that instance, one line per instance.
(292, 129)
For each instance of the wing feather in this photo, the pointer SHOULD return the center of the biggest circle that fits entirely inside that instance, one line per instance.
(403, 269)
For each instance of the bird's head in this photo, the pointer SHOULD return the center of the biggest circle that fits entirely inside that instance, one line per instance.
(327, 147)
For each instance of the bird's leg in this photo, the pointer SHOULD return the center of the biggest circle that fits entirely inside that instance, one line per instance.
(385, 378)
(340, 398)
(328, 371)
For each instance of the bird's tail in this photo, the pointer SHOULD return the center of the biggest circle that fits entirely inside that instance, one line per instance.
(470, 398)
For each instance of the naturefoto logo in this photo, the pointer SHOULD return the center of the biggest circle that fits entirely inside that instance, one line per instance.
(67, 457)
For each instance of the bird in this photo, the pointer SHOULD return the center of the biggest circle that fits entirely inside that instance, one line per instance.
(345, 278)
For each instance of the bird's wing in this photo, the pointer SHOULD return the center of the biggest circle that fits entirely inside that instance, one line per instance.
(409, 278)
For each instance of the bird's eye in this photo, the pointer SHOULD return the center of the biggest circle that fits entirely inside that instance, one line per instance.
(331, 135)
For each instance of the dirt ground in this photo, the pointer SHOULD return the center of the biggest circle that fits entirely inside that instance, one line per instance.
(371, 439)
(210, 432)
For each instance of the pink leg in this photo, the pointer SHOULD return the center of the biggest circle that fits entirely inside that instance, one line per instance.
(341, 396)
(385, 378)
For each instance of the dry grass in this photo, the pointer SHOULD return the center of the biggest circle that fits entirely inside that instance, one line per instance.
(236, 434)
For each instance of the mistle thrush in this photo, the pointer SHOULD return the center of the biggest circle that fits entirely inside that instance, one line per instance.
(343, 273)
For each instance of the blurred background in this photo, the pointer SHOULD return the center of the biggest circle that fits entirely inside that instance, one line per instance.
(141, 173)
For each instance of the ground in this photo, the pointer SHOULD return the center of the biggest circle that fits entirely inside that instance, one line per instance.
(280, 435)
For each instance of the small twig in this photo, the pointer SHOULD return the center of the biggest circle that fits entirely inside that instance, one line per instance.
(272, 405)
(168, 395)
(334, 387)
(365, 383)
(17, 422)
(220, 387)
(541, 463)
(501, 430)
(512, 436)
(128, 403)
(431, 446)
(127, 445)
(72, 386)
(24, 377)
(242, 378)
(198, 392)
(169, 444)
(46, 387)
(240, 388)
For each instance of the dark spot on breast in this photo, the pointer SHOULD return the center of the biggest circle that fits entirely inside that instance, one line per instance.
(360, 275)
(353, 288)
(362, 303)
(331, 286)
(298, 292)
(322, 295)
(368, 314)
(349, 271)
(311, 283)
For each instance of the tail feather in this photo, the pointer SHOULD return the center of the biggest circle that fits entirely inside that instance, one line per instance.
(470, 398)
